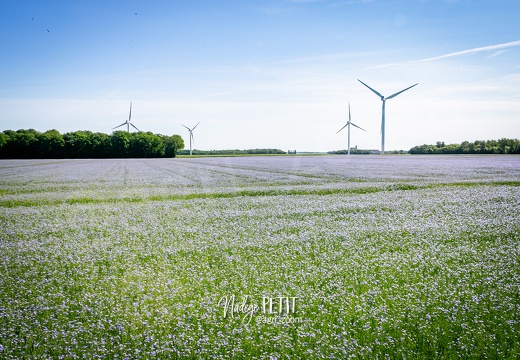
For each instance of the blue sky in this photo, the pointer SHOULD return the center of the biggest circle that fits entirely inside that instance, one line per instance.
(257, 74)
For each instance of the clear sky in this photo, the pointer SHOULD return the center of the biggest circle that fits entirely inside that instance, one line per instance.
(258, 74)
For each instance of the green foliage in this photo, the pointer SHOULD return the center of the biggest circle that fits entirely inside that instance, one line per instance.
(502, 146)
(120, 142)
(80, 144)
(365, 152)
(3, 139)
(172, 144)
(235, 152)
(31, 144)
(143, 145)
(51, 142)
(22, 142)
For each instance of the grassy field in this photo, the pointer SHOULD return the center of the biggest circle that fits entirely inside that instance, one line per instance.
(261, 258)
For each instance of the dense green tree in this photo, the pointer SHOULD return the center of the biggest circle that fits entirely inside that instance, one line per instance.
(172, 144)
(502, 146)
(146, 145)
(3, 139)
(51, 144)
(86, 144)
(23, 144)
(78, 144)
(178, 143)
(120, 143)
(100, 145)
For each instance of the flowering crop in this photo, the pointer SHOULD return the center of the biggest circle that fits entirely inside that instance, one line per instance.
(381, 256)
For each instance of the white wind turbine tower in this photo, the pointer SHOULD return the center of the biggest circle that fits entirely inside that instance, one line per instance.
(127, 122)
(383, 99)
(191, 135)
(348, 124)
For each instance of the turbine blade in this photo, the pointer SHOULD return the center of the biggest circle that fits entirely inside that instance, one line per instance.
(375, 92)
(357, 127)
(349, 112)
(119, 125)
(397, 93)
(343, 127)
(135, 127)
(187, 127)
(130, 115)
(195, 126)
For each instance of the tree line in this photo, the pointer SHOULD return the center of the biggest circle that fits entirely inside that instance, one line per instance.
(234, 152)
(51, 144)
(365, 152)
(502, 146)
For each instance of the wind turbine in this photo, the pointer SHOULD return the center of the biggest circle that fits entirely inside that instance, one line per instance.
(383, 99)
(127, 122)
(348, 124)
(191, 134)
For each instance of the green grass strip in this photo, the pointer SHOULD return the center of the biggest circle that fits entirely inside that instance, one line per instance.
(248, 193)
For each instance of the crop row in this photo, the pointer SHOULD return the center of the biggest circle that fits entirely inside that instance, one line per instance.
(430, 270)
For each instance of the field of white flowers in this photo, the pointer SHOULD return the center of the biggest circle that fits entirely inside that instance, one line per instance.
(260, 257)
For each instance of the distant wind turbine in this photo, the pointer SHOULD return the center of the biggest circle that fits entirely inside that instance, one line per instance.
(348, 124)
(127, 122)
(383, 99)
(191, 135)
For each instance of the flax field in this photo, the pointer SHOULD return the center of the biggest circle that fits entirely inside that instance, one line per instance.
(268, 257)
